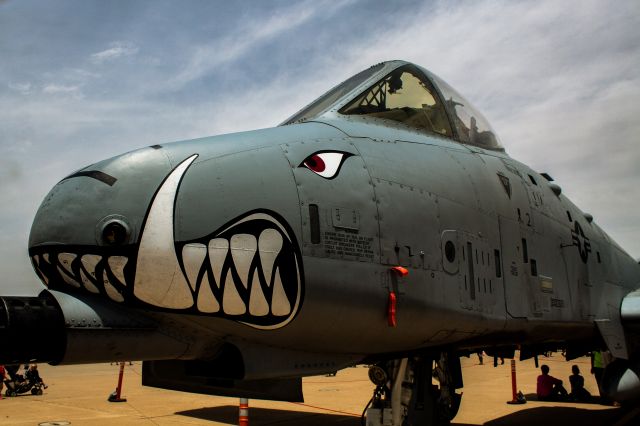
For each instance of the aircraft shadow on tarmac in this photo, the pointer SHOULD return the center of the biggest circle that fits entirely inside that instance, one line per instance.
(557, 416)
(228, 414)
(550, 416)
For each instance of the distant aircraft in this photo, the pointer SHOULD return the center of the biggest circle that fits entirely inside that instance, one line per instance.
(383, 224)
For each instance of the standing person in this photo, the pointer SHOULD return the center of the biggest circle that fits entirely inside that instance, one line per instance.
(578, 392)
(549, 388)
(480, 357)
(597, 368)
(3, 374)
(599, 362)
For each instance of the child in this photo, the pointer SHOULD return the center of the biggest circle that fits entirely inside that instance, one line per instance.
(33, 375)
(578, 392)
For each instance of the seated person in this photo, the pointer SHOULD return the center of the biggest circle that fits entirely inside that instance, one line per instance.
(33, 375)
(578, 392)
(12, 372)
(3, 375)
(549, 388)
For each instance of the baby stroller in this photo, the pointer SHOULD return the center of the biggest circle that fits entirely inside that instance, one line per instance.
(18, 384)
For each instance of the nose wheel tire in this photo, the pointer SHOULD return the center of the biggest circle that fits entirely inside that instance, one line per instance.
(406, 395)
(378, 375)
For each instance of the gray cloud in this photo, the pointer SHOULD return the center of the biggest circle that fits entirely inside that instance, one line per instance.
(22, 88)
(61, 89)
(117, 50)
(250, 34)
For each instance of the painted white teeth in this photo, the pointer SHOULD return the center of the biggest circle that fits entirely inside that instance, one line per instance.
(218, 249)
(89, 262)
(232, 303)
(243, 249)
(111, 290)
(35, 260)
(192, 257)
(206, 300)
(67, 278)
(269, 246)
(64, 268)
(87, 283)
(46, 279)
(65, 260)
(45, 256)
(280, 305)
(117, 264)
(87, 276)
(258, 305)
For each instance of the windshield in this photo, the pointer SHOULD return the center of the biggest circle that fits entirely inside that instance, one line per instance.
(471, 126)
(326, 100)
(405, 96)
(409, 95)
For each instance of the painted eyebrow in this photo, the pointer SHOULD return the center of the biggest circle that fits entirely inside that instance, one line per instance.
(95, 174)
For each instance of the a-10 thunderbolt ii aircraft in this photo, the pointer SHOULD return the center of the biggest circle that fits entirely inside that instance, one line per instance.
(383, 224)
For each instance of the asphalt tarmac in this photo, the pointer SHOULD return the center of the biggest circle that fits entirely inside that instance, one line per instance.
(77, 395)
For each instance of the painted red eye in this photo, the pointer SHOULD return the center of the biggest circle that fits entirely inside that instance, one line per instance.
(326, 163)
(315, 163)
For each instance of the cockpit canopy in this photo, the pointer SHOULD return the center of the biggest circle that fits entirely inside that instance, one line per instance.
(400, 92)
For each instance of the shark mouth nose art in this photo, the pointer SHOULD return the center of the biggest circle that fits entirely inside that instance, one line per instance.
(249, 270)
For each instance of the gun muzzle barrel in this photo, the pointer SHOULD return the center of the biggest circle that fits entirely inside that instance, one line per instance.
(31, 329)
(61, 328)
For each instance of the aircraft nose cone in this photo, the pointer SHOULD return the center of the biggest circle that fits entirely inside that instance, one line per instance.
(86, 228)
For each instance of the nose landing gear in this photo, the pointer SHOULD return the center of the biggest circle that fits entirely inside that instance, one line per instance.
(417, 391)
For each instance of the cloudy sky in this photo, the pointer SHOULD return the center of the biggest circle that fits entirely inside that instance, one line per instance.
(84, 80)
